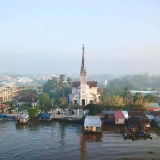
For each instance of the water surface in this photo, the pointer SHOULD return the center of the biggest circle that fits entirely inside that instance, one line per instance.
(56, 140)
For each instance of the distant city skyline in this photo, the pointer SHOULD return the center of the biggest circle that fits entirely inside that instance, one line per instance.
(46, 37)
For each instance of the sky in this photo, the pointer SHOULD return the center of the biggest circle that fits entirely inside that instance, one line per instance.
(46, 36)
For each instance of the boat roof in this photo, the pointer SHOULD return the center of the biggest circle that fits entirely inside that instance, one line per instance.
(92, 121)
(119, 115)
(107, 112)
(150, 117)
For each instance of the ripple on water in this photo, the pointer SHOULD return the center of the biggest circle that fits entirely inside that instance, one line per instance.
(54, 140)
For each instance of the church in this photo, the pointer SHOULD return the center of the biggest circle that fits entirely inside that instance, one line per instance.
(84, 92)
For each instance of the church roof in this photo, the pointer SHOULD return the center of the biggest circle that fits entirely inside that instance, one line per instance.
(90, 83)
(75, 84)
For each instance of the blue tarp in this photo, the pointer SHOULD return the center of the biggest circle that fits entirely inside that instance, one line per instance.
(45, 115)
(6, 117)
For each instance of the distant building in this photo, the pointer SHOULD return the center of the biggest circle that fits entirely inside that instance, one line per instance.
(33, 86)
(8, 92)
(84, 92)
(28, 98)
(143, 92)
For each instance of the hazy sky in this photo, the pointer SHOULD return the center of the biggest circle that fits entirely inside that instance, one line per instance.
(46, 36)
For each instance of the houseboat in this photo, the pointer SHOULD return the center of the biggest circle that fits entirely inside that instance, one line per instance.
(22, 119)
(92, 124)
(119, 117)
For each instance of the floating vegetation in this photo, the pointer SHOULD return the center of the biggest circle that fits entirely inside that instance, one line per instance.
(150, 152)
(125, 158)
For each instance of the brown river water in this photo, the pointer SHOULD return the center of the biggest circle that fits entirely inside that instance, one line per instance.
(61, 141)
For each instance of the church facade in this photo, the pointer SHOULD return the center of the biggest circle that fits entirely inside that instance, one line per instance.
(84, 92)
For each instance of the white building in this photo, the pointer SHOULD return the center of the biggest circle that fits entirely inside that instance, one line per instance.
(84, 92)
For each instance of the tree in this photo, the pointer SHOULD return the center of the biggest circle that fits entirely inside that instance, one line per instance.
(62, 102)
(62, 82)
(44, 102)
(94, 109)
(33, 112)
(12, 105)
(100, 90)
(127, 96)
(69, 81)
(117, 102)
(51, 85)
(150, 98)
(138, 98)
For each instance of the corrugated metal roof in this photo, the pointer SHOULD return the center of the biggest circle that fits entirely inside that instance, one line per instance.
(92, 121)
(107, 112)
(118, 115)
(152, 108)
(154, 104)
(150, 117)
(125, 113)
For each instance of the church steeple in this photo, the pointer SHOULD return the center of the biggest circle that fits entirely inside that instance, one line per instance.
(83, 65)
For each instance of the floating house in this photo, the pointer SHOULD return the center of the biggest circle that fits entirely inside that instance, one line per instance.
(108, 116)
(139, 119)
(119, 117)
(92, 124)
(156, 115)
(22, 119)
(45, 116)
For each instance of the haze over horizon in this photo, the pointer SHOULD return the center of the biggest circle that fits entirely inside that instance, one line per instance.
(120, 37)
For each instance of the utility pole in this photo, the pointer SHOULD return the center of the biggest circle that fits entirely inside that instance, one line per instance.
(52, 104)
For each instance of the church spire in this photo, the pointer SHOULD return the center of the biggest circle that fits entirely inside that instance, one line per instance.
(83, 65)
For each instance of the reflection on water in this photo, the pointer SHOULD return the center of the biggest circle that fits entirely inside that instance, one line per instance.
(92, 137)
(55, 140)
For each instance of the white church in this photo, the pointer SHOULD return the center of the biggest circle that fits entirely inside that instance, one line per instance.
(84, 92)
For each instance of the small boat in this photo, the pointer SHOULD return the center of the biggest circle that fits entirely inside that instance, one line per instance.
(22, 119)
(69, 116)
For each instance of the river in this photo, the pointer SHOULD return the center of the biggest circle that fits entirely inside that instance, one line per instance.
(58, 141)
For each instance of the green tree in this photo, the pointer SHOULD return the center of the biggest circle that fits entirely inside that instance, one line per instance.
(33, 112)
(12, 105)
(44, 102)
(62, 102)
(117, 102)
(150, 98)
(69, 81)
(138, 98)
(94, 109)
(62, 82)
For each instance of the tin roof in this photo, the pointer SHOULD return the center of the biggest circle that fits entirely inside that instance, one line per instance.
(119, 115)
(155, 113)
(152, 108)
(92, 121)
(107, 112)
(28, 98)
(150, 117)
(154, 104)
(137, 113)
(125, 113)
